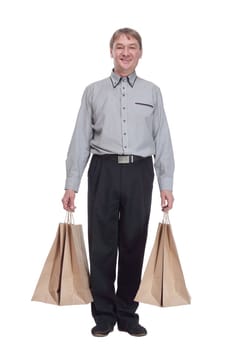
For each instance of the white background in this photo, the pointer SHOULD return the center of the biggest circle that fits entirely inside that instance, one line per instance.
(50, 51)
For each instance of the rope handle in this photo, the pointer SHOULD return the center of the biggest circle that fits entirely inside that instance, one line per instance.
(166, 219)
(69, 218)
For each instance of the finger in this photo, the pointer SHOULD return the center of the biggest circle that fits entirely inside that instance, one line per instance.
(168, 206)
(65, 204)
(71, 203)
(71, 208)
(165, 209)
(163, 202)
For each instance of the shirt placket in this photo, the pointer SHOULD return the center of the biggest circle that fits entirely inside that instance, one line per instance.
(124, 121)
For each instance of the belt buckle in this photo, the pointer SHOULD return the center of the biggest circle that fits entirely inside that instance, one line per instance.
(123, 159)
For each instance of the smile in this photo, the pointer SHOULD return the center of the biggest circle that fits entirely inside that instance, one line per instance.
(125, 60)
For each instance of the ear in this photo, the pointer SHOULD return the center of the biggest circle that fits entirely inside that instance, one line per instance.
(140, 56)
(111, 55)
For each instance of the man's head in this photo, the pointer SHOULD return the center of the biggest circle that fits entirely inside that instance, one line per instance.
(126, 50)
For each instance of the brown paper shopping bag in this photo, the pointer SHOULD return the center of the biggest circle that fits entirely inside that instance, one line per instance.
(163, 282)
(64, 279)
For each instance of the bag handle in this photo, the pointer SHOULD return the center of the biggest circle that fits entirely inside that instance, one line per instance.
(166, 219)
(69, 218)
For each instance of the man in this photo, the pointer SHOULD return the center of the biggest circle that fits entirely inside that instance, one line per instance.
(123, 124)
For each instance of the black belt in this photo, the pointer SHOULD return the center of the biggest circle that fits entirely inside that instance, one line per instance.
(123, 159)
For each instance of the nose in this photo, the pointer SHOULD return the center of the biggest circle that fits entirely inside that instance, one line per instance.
(125, 51)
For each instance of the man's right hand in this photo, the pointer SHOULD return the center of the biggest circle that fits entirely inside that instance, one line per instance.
(68, 200)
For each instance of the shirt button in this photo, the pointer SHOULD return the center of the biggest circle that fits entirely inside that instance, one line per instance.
(123, 107)
(124, 120)
(124, 133)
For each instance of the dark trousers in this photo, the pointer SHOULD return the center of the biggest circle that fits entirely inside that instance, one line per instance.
(119, 202)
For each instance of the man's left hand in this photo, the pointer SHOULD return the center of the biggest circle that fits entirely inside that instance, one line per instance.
(167, 200)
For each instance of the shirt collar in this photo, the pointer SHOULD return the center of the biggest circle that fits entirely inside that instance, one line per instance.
(115, 78)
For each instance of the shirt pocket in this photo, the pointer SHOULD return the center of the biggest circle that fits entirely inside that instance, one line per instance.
(143, 109)
(144, 104)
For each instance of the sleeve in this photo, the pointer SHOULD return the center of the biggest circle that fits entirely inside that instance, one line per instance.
(79, 148)
(164, 159)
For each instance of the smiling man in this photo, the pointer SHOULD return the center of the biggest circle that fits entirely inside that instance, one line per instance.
(126, 52)
(122, 123)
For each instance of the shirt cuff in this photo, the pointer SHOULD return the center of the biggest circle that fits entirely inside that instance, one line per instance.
(70, 184)
(166, 183)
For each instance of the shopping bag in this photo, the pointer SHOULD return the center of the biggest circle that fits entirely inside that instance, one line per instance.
(163, 282)
(64, 279)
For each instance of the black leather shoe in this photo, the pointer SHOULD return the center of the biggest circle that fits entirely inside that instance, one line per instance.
(136, 331)
(101, 330)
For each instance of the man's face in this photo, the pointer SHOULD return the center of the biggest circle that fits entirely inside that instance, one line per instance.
(125, 53)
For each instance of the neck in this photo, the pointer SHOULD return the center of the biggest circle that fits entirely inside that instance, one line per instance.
(122, 74)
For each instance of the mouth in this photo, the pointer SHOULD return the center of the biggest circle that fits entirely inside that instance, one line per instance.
(124, 60)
